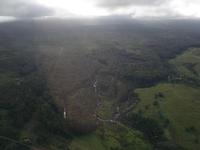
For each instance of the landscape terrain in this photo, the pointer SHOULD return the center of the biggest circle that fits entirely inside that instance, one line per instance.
(100, 84)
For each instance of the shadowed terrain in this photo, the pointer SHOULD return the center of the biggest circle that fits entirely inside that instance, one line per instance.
(76, 82)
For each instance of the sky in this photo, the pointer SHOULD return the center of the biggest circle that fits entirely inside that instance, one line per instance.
(12, 9)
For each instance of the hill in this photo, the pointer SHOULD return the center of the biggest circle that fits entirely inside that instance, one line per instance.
(68, 84)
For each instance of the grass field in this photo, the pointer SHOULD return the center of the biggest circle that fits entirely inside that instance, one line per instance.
(176, 106)
(110, 137)
(86, 143)
(188, 63)
(177, 103)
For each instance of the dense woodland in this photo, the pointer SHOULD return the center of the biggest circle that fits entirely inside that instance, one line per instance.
(49, 65)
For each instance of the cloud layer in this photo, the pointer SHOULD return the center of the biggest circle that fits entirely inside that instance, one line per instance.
(23, 8)
(112, 4)
(135, 8)
(153, 8)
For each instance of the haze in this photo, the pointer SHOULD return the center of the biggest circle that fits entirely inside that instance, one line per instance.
(99, 75)
(94, 8)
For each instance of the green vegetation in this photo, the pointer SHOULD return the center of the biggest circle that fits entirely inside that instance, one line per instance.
(109, 137)
(105, 110)
(90, 72)
(150, 128)
(177, 110)
(175, 105)
(87, 142)
(28, 115)
(188, 65)
(81, 110)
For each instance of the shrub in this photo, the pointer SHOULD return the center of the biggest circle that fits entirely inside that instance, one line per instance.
(149, 127)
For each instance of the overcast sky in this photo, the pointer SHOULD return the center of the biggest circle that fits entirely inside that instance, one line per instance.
(91, 8)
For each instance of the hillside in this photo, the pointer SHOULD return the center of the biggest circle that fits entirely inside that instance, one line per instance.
(75, 85)
(175, 104)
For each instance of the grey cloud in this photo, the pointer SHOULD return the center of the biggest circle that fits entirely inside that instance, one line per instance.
(23, 8)
(140, 8)
(112, 4)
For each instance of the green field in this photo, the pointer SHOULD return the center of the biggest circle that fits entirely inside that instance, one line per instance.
(188, 64)
(176, 106)
(109, 137)
(180, 105)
